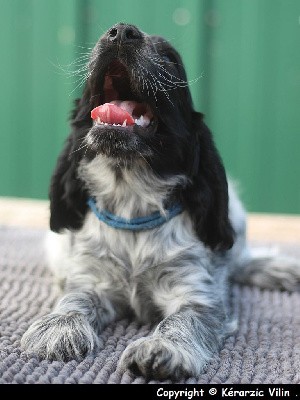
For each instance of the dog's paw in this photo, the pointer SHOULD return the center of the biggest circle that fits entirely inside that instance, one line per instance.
(158, 358)
(60, 337)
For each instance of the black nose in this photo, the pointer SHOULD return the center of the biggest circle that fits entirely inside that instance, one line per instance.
(123, 33)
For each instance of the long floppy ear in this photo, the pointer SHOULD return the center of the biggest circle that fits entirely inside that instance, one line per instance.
(206, 198)
(67, 194)
(68, 197)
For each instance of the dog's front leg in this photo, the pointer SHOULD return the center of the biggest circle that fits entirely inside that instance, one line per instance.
(71, 330)
(180, 346)
(192, 330)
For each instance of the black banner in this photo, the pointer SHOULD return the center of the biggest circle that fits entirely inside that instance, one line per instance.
(159, 392)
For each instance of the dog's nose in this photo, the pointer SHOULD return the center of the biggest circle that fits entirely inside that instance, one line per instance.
(123, 33)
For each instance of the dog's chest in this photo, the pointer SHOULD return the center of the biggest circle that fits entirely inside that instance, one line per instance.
(134, 265)
(129, 261)
(132, 252)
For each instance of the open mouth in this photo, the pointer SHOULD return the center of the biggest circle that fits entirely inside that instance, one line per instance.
(120, 106)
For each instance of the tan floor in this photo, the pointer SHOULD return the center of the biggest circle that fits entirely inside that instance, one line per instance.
(262, 227)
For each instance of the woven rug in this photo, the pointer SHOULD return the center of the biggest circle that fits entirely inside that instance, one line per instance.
(265, 349)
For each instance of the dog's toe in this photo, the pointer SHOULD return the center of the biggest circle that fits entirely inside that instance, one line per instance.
(154, 358)
(60, 337)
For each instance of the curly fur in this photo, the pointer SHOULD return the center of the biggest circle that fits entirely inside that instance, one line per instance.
(175, 276)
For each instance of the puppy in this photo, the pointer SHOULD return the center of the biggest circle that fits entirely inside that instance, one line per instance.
(143, 219)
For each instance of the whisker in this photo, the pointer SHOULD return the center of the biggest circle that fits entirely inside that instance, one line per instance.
(144, 158)
(151, 83)
(162, 89)
(160, 60)
(81, 82)
(177, 80)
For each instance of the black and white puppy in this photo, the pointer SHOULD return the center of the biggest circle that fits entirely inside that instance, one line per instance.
(143, 217)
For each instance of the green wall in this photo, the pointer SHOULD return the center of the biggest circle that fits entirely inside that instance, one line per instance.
(246, 54)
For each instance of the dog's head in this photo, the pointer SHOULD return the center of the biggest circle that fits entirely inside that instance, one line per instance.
(136, 106)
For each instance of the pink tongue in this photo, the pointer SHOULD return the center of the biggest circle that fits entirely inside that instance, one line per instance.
(112, 114)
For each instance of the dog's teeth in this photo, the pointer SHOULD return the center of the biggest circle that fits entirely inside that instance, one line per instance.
(140, 121)
(124, 123)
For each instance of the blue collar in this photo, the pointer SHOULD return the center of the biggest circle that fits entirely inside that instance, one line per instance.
(134, 224)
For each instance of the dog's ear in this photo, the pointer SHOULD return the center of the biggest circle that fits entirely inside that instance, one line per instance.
(68, 197)
(206, 198)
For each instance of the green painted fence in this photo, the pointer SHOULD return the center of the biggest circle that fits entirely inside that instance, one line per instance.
(246, 54)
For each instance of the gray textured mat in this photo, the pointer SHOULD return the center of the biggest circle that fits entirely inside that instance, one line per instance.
(265, 349)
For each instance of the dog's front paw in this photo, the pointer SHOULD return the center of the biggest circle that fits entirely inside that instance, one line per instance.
(60, 337)
(158, 358)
